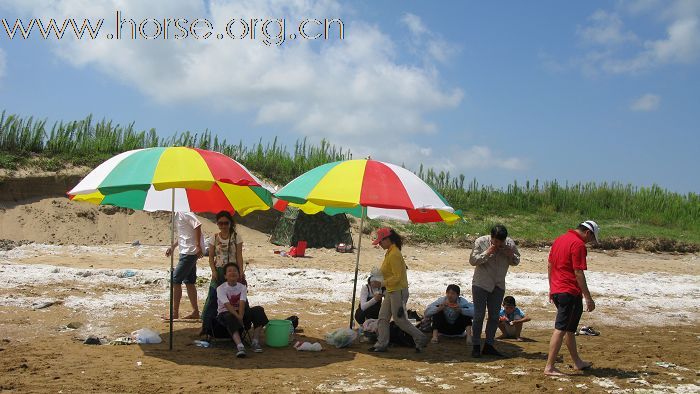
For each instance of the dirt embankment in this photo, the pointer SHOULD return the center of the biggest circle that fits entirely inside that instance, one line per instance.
(60, 221)
(34, 207)
(24, 185)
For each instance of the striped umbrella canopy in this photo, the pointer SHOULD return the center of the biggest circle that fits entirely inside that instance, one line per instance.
(173, 179)
(403, 215)
(203, 181)
(362, 185)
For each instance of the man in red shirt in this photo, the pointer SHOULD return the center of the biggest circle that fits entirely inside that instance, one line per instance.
(567, 289)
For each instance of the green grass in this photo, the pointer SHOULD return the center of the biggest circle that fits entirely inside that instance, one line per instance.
(10, 161)
(532, 230)
(533, 211)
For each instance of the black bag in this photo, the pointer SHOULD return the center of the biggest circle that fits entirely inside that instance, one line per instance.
(398, 337)
(294, 319)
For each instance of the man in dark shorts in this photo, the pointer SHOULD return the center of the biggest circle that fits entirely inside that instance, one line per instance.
(567, 289)
(190, 242)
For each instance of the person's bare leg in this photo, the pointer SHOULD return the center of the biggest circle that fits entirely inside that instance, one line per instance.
(570, 340)
(192, 295)
(502, 327)
(435, 336)
(554, 347)
(518, 330)
(236, 338)
(177, 296)
(256, 334)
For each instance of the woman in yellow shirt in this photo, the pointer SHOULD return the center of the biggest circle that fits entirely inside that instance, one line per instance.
(396, 282)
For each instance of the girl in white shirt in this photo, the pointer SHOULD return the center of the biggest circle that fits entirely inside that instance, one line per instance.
(370, 298)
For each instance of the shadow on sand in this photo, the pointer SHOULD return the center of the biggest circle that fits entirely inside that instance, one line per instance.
(222, 353)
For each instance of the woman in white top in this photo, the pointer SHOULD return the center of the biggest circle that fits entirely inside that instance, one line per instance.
(225, 247)
(370, 298)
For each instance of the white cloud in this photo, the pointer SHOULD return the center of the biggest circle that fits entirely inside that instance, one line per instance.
(426, 42)
(682, 44)
(647, 102)
(640, 6)
(414, 23)
(3, 63)
(456, 159)
(606, 34)
(350, 88)
(605, 29)
(482, 157)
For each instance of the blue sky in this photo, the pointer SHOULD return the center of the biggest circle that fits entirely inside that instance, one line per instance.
(575, 91)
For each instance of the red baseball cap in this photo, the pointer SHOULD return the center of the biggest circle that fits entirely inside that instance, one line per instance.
(381, 234)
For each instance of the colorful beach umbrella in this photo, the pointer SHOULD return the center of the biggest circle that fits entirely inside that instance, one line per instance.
(402, 215)
(366, 183)
(221, 197)
(173, 179)
(164, 168)
(364, 187)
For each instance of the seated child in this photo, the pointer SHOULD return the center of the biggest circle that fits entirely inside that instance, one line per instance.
(234, 312)
(370, 297)
(511, 319)
(450, 314)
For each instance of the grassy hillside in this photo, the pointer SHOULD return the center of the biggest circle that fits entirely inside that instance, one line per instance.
(534, 212)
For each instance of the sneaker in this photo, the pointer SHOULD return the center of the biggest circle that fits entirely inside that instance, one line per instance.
(377, 349)
(476, 351)
(241, 351)
(256, 347)
(585, 330)
(491, 351)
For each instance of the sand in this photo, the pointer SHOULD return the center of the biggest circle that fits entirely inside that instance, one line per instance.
(647, 313)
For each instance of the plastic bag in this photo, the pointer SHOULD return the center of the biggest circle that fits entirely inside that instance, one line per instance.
(308, 347)
(370, 325)
(341, 337)
(145, 335)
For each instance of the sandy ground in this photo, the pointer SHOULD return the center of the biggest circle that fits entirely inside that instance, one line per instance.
(648, 313)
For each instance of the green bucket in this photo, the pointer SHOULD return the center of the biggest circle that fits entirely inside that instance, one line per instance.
(277, 333)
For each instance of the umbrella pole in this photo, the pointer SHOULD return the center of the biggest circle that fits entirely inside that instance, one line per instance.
(172, 258)
(357, 267)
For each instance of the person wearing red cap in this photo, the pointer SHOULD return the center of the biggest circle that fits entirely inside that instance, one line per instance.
(567, 289)
(396, 282)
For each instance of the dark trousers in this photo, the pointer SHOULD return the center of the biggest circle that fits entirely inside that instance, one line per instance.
(254, 316)
(370, 313)
(482, 300)
(441, 324)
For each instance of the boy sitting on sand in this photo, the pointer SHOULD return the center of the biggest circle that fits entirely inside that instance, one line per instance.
(450, 314)
(511, 319)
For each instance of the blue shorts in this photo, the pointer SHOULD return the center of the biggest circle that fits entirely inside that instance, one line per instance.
(186, 270)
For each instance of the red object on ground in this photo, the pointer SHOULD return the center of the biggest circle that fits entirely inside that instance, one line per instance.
(299, 250)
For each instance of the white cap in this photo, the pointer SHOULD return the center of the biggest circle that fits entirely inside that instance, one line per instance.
(593, 226)
(376, 275)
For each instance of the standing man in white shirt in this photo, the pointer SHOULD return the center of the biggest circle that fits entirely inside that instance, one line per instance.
(491, 257)
(190, 241)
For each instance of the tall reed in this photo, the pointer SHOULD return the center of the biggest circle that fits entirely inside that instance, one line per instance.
(89, 142)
